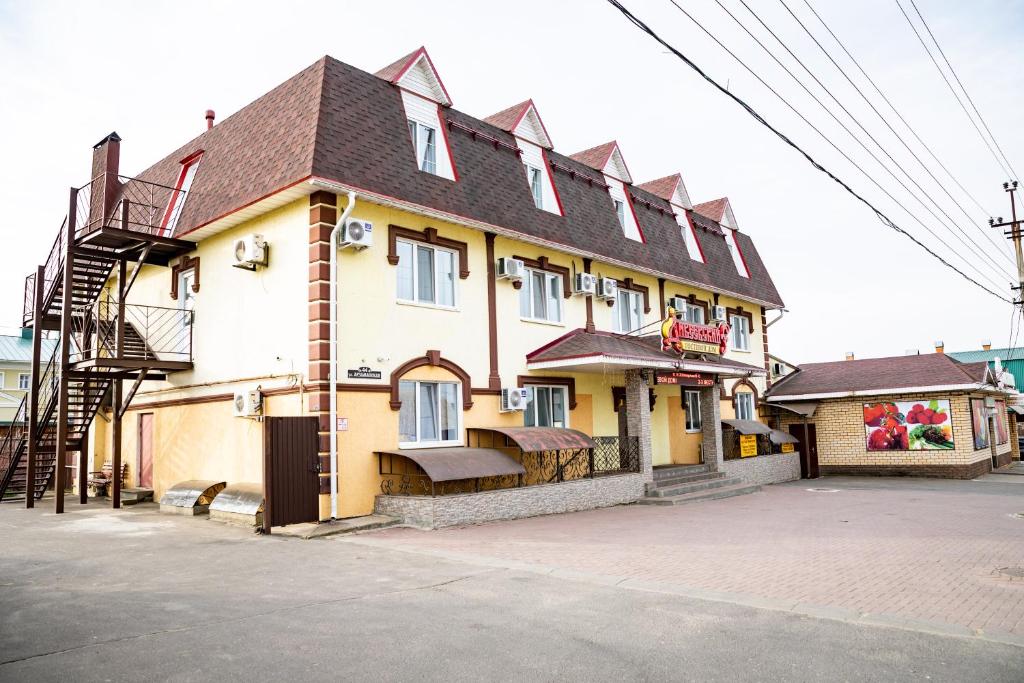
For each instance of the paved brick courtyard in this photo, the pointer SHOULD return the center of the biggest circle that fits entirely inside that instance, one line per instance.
(911, 550)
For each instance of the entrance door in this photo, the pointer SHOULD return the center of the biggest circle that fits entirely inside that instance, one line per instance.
(807, 437)
(145, 450)
(291, 471)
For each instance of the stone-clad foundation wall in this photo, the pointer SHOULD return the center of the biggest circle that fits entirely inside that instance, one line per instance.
(529, 501)
(765, 469)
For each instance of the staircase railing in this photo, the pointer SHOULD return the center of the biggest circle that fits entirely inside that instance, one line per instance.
(150, 332)
(13, 445)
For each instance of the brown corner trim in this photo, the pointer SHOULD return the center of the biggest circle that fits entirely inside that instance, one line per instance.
(427, 236)
(186, 263)
(494, 377)
(432, 358)
(587, 263)
(568, 382)
(542, 263)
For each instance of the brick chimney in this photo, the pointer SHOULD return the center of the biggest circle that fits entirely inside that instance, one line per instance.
(986, 345)
(106, 158)
(940, 347)
(849, 355)
(210, 116)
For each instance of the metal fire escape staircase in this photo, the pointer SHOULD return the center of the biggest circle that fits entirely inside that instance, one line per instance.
(113, 223)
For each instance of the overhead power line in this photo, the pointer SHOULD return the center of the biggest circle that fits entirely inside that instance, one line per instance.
(968, 243)
(953, 90)
(824, 50)
(960, 83)
(896, 111)
(760, 119)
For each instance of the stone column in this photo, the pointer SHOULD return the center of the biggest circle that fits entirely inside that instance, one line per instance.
(638, 418)
(711, 426)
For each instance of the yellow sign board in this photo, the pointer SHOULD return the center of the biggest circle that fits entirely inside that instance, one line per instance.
(698, 347)
(748, 445)
(787, 448)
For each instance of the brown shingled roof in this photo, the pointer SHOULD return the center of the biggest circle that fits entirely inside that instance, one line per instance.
(596, 157)
(507, 119)
(878, 374)
(715, 209)
(663, 187)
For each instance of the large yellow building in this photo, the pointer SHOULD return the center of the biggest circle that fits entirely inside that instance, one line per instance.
(485, 283)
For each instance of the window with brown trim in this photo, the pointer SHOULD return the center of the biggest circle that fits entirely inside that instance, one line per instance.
(427, 236)
(186, 263)
(742, 324)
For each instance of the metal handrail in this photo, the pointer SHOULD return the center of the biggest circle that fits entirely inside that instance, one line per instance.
(152, 332)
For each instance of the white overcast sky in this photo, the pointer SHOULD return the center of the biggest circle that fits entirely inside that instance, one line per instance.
(70, 72)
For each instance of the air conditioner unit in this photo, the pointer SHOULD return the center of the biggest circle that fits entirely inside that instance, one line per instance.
(513, 398)
(607, 288)
(586, 284)
(718, 314)
(511, 268)
(678, 303)
(248, 403)
(251, 251)
(356, 234)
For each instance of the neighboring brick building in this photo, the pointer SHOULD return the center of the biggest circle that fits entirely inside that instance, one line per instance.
(923, 415)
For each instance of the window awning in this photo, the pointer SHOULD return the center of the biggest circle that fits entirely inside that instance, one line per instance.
(450, 464)
(802, 408)
(534, 439)
(748, 426)
(778, 436)
(1017, 409)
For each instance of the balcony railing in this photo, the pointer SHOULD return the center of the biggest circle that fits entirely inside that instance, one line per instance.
(152, 333)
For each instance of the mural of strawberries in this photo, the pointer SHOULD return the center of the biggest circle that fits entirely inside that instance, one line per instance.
(886, 426)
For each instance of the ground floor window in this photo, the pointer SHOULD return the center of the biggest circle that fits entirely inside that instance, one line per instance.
(546, 407)
(744, 406)
(430, 413)
(693, 411)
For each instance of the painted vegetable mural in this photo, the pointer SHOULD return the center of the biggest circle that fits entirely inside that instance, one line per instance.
(908, 426)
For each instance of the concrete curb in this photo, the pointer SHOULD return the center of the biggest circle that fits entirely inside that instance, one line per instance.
(830, 612)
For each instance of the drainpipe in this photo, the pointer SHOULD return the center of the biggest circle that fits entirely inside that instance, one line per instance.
(333, 373)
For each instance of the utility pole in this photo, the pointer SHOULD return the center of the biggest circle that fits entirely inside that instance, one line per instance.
(1014, 233)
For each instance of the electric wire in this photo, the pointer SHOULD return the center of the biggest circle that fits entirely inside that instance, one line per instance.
(952, 89)
(999, 250)
(814, 163)
(894, 110)
(969, 242)
(960, 83)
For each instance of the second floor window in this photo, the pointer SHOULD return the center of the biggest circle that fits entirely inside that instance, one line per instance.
(536, 179)
(424, 141)
(539, 296)
(694, 314)
(430, 414)
(426, 275)
(23, 380)
(693, 423)
(745, 406)
(739, 336)
(546, 407)
(628, 311)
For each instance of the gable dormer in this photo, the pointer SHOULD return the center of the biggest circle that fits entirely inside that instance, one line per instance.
(720, 211)
(523, 122)
(423, 95)
(673, 190)
(608, 160)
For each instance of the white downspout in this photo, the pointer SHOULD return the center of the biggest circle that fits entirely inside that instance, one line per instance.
(333, 372)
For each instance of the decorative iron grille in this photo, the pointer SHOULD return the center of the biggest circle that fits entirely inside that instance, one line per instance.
(616, 454)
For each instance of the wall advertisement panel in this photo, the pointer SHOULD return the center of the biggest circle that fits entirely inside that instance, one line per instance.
(908, 425)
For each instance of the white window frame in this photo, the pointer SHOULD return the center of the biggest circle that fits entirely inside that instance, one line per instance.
(735, 336)
(749, 408)
(186, 295)
(3, 380)
(535, 178)
(27, 383)
(690, 309)
(551, 291)
(693, 421)
(638, 309)
(421, 145)
(418, 443)
(532, 388)
(180, 194)
(414, 265)
(620, 211)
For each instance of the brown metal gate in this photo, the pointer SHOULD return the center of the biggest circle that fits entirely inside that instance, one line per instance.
(291, 480)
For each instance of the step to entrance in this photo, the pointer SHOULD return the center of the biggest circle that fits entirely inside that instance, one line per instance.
(717, 481)
(669, 471)
(698, 496)
(687, 478)
(134, 496)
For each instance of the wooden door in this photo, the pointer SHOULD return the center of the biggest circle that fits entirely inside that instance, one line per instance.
(291, 471)
(144, 459)
(807, 437)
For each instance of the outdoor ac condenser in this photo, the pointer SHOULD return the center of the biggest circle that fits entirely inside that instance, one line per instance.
(513, 399)
(248, 403)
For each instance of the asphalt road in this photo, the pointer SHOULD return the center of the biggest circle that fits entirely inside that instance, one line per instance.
(140, 596)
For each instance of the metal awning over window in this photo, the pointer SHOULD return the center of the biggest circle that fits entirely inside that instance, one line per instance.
(1017, 409)
(450, 464)
(802, 408)
(537, 439)
(748, 426)
(780, 437)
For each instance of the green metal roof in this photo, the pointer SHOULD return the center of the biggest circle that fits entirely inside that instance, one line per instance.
(18, 349)
(1003, 354)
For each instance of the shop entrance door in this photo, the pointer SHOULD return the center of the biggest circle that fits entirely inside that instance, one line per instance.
(807, 436)
(291, 471)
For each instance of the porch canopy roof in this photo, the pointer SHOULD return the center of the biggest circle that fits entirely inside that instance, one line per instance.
(602, 351)
(802, 408)
(748, 426)
(449, 464)
(536, 439)
(780, 437)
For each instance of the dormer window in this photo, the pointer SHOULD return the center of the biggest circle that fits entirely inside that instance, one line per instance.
(536, 178)
(620, 212)
(523, 122)
(424, 142)
(189, 166)
(608, 160)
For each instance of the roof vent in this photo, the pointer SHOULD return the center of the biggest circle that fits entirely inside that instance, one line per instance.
(849, 355)
(911, 352)
(940, 346)
(210, 116)
(986, 345)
